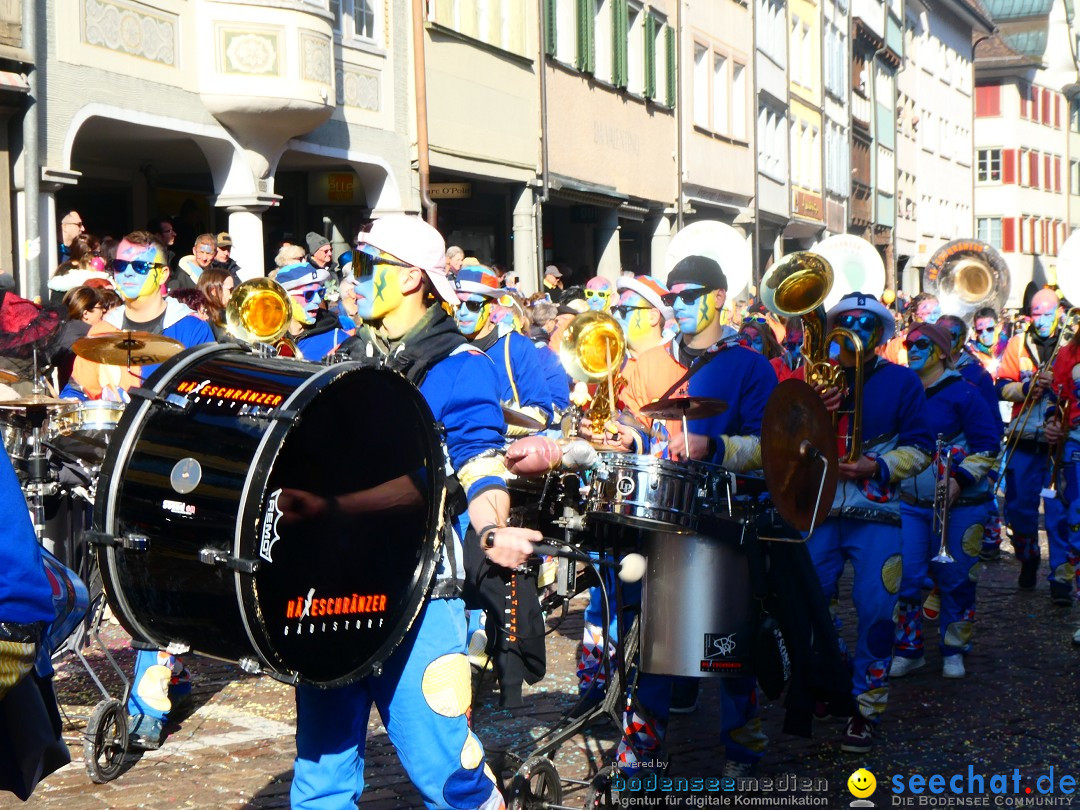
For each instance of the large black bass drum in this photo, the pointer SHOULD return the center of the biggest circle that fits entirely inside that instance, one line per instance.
(272, 512)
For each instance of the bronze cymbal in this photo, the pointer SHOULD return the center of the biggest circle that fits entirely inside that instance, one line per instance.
(36, 401)
(8, 376)
(796, 435)
(516, 418)
(127, 348)
(690, 407)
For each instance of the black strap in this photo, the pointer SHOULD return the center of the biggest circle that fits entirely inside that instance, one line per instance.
(700, 363)
(938, 388)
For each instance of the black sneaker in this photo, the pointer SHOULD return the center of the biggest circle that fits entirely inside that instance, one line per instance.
(684, 695)
(1029, 570)
(990, 553)
(859, 736)
(1061, 593)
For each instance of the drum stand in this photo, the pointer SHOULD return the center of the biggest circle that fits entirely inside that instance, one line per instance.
(536, 784)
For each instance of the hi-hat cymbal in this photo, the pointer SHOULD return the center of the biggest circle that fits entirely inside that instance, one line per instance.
(8, 376)
(35, 401)
(516, 418)
(690, 407)
(127, 348)
(797, 436)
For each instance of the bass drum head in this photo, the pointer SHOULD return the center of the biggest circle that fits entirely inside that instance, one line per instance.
(346, 529)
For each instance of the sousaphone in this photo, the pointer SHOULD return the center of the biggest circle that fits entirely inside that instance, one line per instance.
(720, 242)
(967, 275)
(856, 266)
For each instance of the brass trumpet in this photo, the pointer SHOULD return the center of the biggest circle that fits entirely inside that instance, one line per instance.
(259, 312)
(592, 350)
(941, 502)
(797, 285)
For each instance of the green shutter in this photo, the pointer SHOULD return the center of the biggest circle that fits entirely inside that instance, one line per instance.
(649, 52)
(669, 52)
(590, 37)
(550, 32)
(585, 36)
(620, 22)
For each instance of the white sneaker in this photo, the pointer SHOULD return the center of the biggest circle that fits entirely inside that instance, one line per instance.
(153, 688)
(903, 666)
(953, 667)
(478, 656)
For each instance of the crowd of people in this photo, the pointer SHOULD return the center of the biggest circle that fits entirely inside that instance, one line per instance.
(932, 426)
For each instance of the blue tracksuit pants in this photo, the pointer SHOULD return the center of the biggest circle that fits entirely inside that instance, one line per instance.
(1027, 474)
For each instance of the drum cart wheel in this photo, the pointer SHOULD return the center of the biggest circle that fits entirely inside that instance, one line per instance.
(536, 786)
(105, 743)
(601, 794)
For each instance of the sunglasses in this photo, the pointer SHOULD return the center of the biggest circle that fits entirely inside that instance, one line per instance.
(308, 295)
(986, 330)
(597, 294)
(622, 310)
(364, 262)
(687, 296)
(474, 306)
(121, 266)
(865, 323)
(922, 344)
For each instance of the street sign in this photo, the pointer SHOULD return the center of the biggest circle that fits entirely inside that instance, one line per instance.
(450, 191)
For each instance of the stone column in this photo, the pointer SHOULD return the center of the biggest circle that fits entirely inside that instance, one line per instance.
(661, 238)
(608, 259)
(524, 238)
(246, 230)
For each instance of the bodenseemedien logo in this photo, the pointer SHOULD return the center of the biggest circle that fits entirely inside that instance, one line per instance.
(862, 785)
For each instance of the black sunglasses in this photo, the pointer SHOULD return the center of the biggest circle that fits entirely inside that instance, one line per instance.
(687, 296)
(623, 309)
(309, 295)
(865, 322)
(922, 344)
(364, 263)
(475, 306)
(142, 268)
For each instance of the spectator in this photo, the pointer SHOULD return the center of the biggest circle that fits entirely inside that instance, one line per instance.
(192, 265)
(455, 258)
(71, 225)
(320, 253)
(82, 266)
(193, 299)
(288, 254)
(216, 284)
(163, 228)
(84, 309)
(223, 258)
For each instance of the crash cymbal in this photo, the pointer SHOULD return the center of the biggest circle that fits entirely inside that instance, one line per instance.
(796, 437)
(127, 348)
(516, 418)
(8, 376)
(688, 407)
(35, 401)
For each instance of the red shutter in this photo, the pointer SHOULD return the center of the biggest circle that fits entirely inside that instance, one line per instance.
(1031, 234)
(1057, 233)
(1021, 234)
(1045, 107)
(1033, 169)
(1008, 234)
(1057, 173)
(1046, 172)
(1045, 226)
(1022, 88)
(1008, 165)
(1057, 111)
(987, 100)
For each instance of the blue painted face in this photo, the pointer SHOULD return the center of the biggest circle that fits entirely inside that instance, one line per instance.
(695, 314)
(864, 324)
(1044, 322)
(130, 260)
(472, 314)
(753, 338)
(921, 352)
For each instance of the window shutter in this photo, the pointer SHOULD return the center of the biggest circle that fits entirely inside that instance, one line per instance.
(586, 36)
(1047, 180)
(1023, 90)
(669, 52)
(550, 32)
(1008, 234)
(1033, 169)
(649, 51)
(1008, 165)
(1045, 118)
(1057, 111)
(620, 21)
(1057, 173)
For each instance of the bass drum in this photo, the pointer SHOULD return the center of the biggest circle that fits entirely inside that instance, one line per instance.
(251, 508)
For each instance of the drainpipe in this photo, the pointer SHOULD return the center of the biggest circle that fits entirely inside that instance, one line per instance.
(31, 283)
(756, 258)
(679, 114)
(420, 78)
(538, 202)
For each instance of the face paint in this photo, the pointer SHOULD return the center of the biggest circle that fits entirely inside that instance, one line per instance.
(130, 283)
(309, 297)
(753, 339)
(929, 311)
(633, 314)
(694, 316)
(598, 294)
(472, 321)
(379, 292)
(504, 319)
(985, 332)
(864, 324)
(922, 353)
(1044, 319)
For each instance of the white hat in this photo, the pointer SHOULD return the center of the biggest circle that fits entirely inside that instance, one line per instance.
(858, 300)
(648, 288)
(415, 242)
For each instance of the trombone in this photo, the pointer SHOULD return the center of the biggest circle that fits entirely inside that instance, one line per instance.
(1057, 452)
(941, 501)
(1069, 328)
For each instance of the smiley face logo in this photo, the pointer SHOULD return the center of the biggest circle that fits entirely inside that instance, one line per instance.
(862, 783)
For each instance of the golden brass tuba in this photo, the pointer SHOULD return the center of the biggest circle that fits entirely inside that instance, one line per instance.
(592, 350)
(259, 312)
(797, 285)
(966, 275)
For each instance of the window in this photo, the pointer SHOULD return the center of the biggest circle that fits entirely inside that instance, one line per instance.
(603, 24)
(772, 143)
(989, 169)
(1074, 177)
(500, 23)
(771, 29)
(635, 50)
(987, 100)
(721, 95)
(1074, 114)
(796, 45)
(659, 75)
(701, 86)
(988, 229)
(565, 30)
(354, 19)
(738, 101)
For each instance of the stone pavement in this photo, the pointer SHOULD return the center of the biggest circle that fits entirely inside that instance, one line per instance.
(1018, 708)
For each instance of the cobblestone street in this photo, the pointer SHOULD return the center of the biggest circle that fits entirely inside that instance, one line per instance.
(1017, 709)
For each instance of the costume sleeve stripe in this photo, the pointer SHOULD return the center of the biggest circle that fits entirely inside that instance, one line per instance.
(904, 462)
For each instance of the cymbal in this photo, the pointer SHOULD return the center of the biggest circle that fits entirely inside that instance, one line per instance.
(516, 418)
(796, 434)
(36, 400)
(8, 376)
(127, 348)
(690, 407)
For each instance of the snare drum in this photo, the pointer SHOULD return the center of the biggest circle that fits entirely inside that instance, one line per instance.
(83, 429)
(654, 493)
